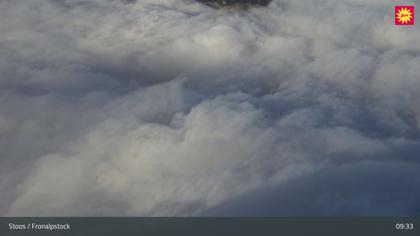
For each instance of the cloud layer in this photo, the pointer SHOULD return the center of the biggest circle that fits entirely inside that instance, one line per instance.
(169, 107)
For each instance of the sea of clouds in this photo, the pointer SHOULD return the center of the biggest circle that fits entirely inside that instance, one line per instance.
(173, 108)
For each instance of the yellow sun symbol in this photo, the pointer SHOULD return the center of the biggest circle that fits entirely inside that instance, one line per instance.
(404, 15)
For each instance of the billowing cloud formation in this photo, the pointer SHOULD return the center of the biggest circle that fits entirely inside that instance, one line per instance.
(169, 107)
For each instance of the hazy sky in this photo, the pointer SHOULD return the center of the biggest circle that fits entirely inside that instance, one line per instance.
(169, 107)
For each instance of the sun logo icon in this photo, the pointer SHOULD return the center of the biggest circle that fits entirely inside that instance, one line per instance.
(404, 15)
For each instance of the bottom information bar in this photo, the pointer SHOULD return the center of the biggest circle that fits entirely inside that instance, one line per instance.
(214, 226)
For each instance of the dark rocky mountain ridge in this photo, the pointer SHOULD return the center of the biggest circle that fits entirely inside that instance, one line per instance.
(235, 3)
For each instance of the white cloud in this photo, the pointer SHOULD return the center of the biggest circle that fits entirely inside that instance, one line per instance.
(172, 108)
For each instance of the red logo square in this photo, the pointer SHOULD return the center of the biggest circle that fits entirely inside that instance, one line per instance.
(404, 15)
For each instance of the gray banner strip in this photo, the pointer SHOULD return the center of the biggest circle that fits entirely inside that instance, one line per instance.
(209, 226)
